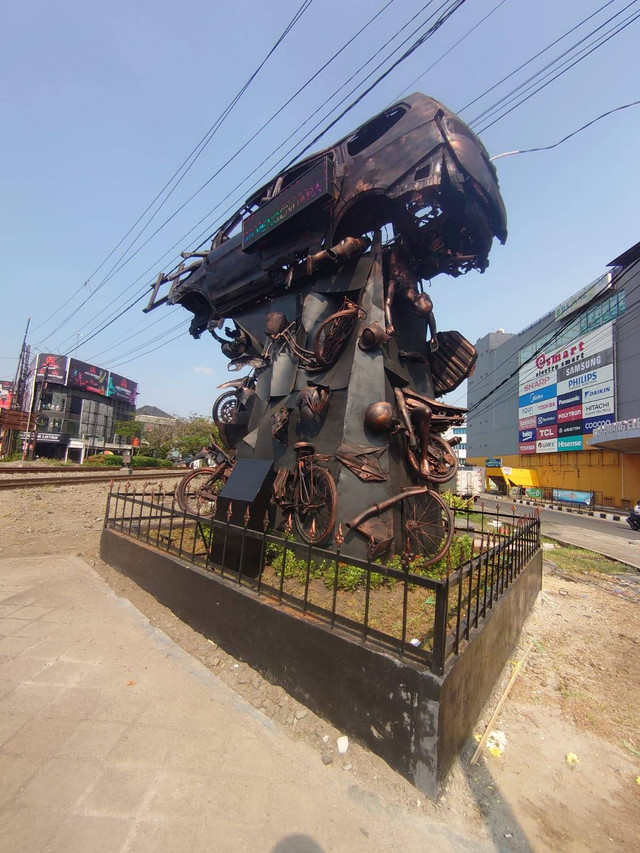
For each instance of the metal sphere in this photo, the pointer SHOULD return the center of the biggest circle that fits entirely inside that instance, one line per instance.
(380, 417)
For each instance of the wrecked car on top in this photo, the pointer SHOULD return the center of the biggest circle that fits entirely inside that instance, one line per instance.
(416, 166)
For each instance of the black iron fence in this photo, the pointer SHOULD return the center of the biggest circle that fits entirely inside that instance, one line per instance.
(424, 612)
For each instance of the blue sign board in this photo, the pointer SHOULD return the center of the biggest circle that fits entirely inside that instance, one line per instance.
(571, 497)
(538, 395)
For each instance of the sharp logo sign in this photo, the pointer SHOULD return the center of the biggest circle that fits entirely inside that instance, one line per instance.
(567, 393)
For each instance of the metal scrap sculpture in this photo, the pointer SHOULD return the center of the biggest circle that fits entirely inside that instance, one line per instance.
(345, 363)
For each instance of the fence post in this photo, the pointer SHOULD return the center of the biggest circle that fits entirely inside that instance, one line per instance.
(440, 626)
(106, 512)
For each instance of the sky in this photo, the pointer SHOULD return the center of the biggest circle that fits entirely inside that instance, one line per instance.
(102, 104)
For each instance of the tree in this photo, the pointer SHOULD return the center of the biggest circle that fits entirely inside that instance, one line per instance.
(128, 429)
(186, 435)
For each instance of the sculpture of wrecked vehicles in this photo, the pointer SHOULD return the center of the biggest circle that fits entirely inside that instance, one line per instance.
(416, 165)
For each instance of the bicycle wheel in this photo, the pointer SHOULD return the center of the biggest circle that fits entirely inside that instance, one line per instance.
(333, 335)
(427, 526)
(225, 407)
(315, 504)
(197, 493)
(443, 463)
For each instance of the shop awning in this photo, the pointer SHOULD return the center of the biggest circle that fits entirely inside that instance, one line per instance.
(525, 477)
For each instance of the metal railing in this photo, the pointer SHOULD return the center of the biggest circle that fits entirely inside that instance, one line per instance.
(426, 613)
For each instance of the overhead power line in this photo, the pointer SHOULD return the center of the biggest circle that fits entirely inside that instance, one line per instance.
(554, 73)
(568, 136)
(543, 346)
(313, 142)
(184, 167)
(257, 183)
(534, 57)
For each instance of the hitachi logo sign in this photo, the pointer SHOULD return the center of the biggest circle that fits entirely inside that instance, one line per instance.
(558, 357)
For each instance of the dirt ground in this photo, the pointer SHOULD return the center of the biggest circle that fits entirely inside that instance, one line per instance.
(568, 777)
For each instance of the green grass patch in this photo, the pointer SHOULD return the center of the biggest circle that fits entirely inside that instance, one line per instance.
(568, 558)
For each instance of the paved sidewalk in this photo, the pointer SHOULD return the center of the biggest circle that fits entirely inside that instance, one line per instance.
(112, 738)
(624, 549)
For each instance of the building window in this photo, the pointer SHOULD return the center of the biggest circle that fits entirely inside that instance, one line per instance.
(603, 312)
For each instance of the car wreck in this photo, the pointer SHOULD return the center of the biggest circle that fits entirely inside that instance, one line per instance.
(415, 167)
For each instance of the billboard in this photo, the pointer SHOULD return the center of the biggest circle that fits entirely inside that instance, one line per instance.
(87, 377)
(55, 367)
(122, 389)
(6, 394)
(566, 393)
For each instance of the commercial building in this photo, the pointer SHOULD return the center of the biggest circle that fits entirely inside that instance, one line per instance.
(77, 406)
(556, 407)
(151, 417)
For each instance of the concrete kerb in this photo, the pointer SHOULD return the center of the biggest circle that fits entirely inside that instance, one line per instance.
(618, 515)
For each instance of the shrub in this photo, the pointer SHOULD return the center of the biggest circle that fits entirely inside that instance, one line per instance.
(456, 503)
(150, 462)
(103, 460)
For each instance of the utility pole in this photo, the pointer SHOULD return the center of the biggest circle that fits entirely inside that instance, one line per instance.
(18, 394)
(36, 405)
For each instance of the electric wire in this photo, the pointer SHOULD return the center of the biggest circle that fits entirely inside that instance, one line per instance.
(272, 118)
(535, 56)
(459, 2)
(556, 73)
(546, 342)
(566, 53)
(305, 150)
(568, 136)
(141, 344)
(418, 43)
(126, 337)
(189, 161)
(442, 56)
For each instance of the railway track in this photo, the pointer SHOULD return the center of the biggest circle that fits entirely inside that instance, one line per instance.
(72, 479)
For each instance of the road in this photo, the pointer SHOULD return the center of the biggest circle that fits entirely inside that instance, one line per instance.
(614, 539)
(552, 516)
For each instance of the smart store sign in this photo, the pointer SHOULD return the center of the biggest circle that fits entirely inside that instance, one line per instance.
(572, 386)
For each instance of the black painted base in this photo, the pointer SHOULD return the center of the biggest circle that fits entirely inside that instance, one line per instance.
(416, 721)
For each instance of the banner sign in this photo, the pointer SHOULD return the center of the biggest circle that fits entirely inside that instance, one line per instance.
(580, 299)
(54, 367)
(310, 188)
(6, 394)
(87, 377)
(566, 496)
(569, 391)
(122, 388)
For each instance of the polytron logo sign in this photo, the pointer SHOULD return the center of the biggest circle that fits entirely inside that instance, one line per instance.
(566, 393)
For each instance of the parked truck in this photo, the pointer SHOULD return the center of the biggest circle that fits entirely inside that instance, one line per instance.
(469, 481)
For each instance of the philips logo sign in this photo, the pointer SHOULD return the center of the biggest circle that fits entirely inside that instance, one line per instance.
(583, 380)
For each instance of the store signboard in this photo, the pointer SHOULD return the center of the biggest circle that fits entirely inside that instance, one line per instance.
(52, 367)
(584, 296)
(6, 394)
(87, 377)
(570, 391)
(567, 496)
(493, 463)
(122, 388)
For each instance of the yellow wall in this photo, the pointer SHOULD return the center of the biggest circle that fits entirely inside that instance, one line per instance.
(613, 476)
